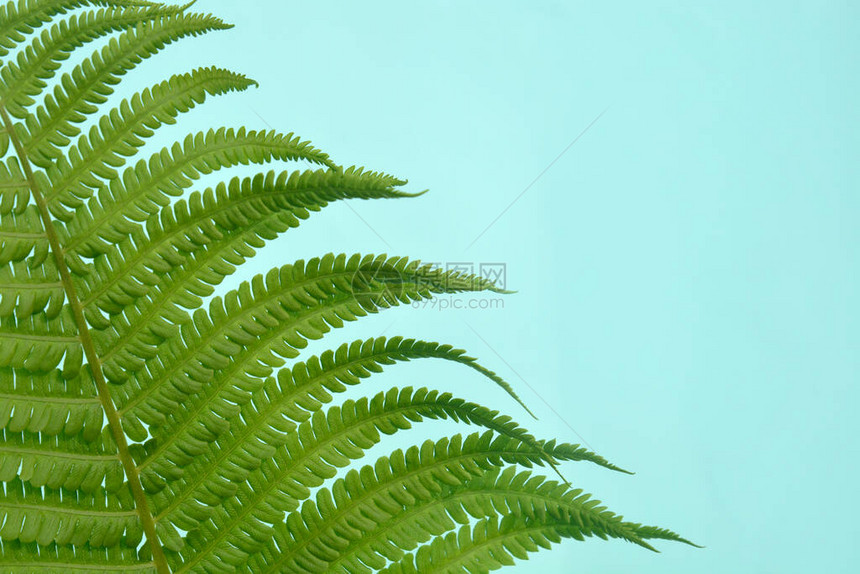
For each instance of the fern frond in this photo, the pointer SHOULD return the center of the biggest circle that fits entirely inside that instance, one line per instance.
(60, 462)
(17, 19)
(519, 520)
(29, 281)
(372, 535)
(191, 245)
(29, 514)
(488, 545)
(196, 244)
(174, 235)
(318, 447)
(252, 330)
(273, 412)
(149, 302)
(32, 558)
(302, 390)
(78, 95)
(657, 533)
(119, 133)
(25, 290)
(38, 61)
(49, 404)
(146, 188)
(16, 192)
(276, 315)
(282, 484)
(39, 344)
(21, 235)
(309, 383)
(199, 456)
(368, 522)
(232, 207)
(328, 440)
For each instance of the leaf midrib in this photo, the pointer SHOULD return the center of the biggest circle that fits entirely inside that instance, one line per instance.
(141, 502)
(46, 399)
(92, 512)
(79, 566)
(60, 454)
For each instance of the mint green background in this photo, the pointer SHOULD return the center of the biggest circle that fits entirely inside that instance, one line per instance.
(686, 272)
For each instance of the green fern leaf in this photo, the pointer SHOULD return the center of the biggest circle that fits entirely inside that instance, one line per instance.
(120, 132)
(49, 128)
(143, 431)
(145, 189)
(21, 18)
(49, 404)
(38, 61)
(60, 462)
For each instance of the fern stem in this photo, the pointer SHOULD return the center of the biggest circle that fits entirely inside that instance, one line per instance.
(141, 503)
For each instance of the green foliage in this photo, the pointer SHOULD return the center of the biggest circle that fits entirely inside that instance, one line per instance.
(143, 431)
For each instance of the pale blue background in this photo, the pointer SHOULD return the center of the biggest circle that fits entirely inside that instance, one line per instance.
(687, 271)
